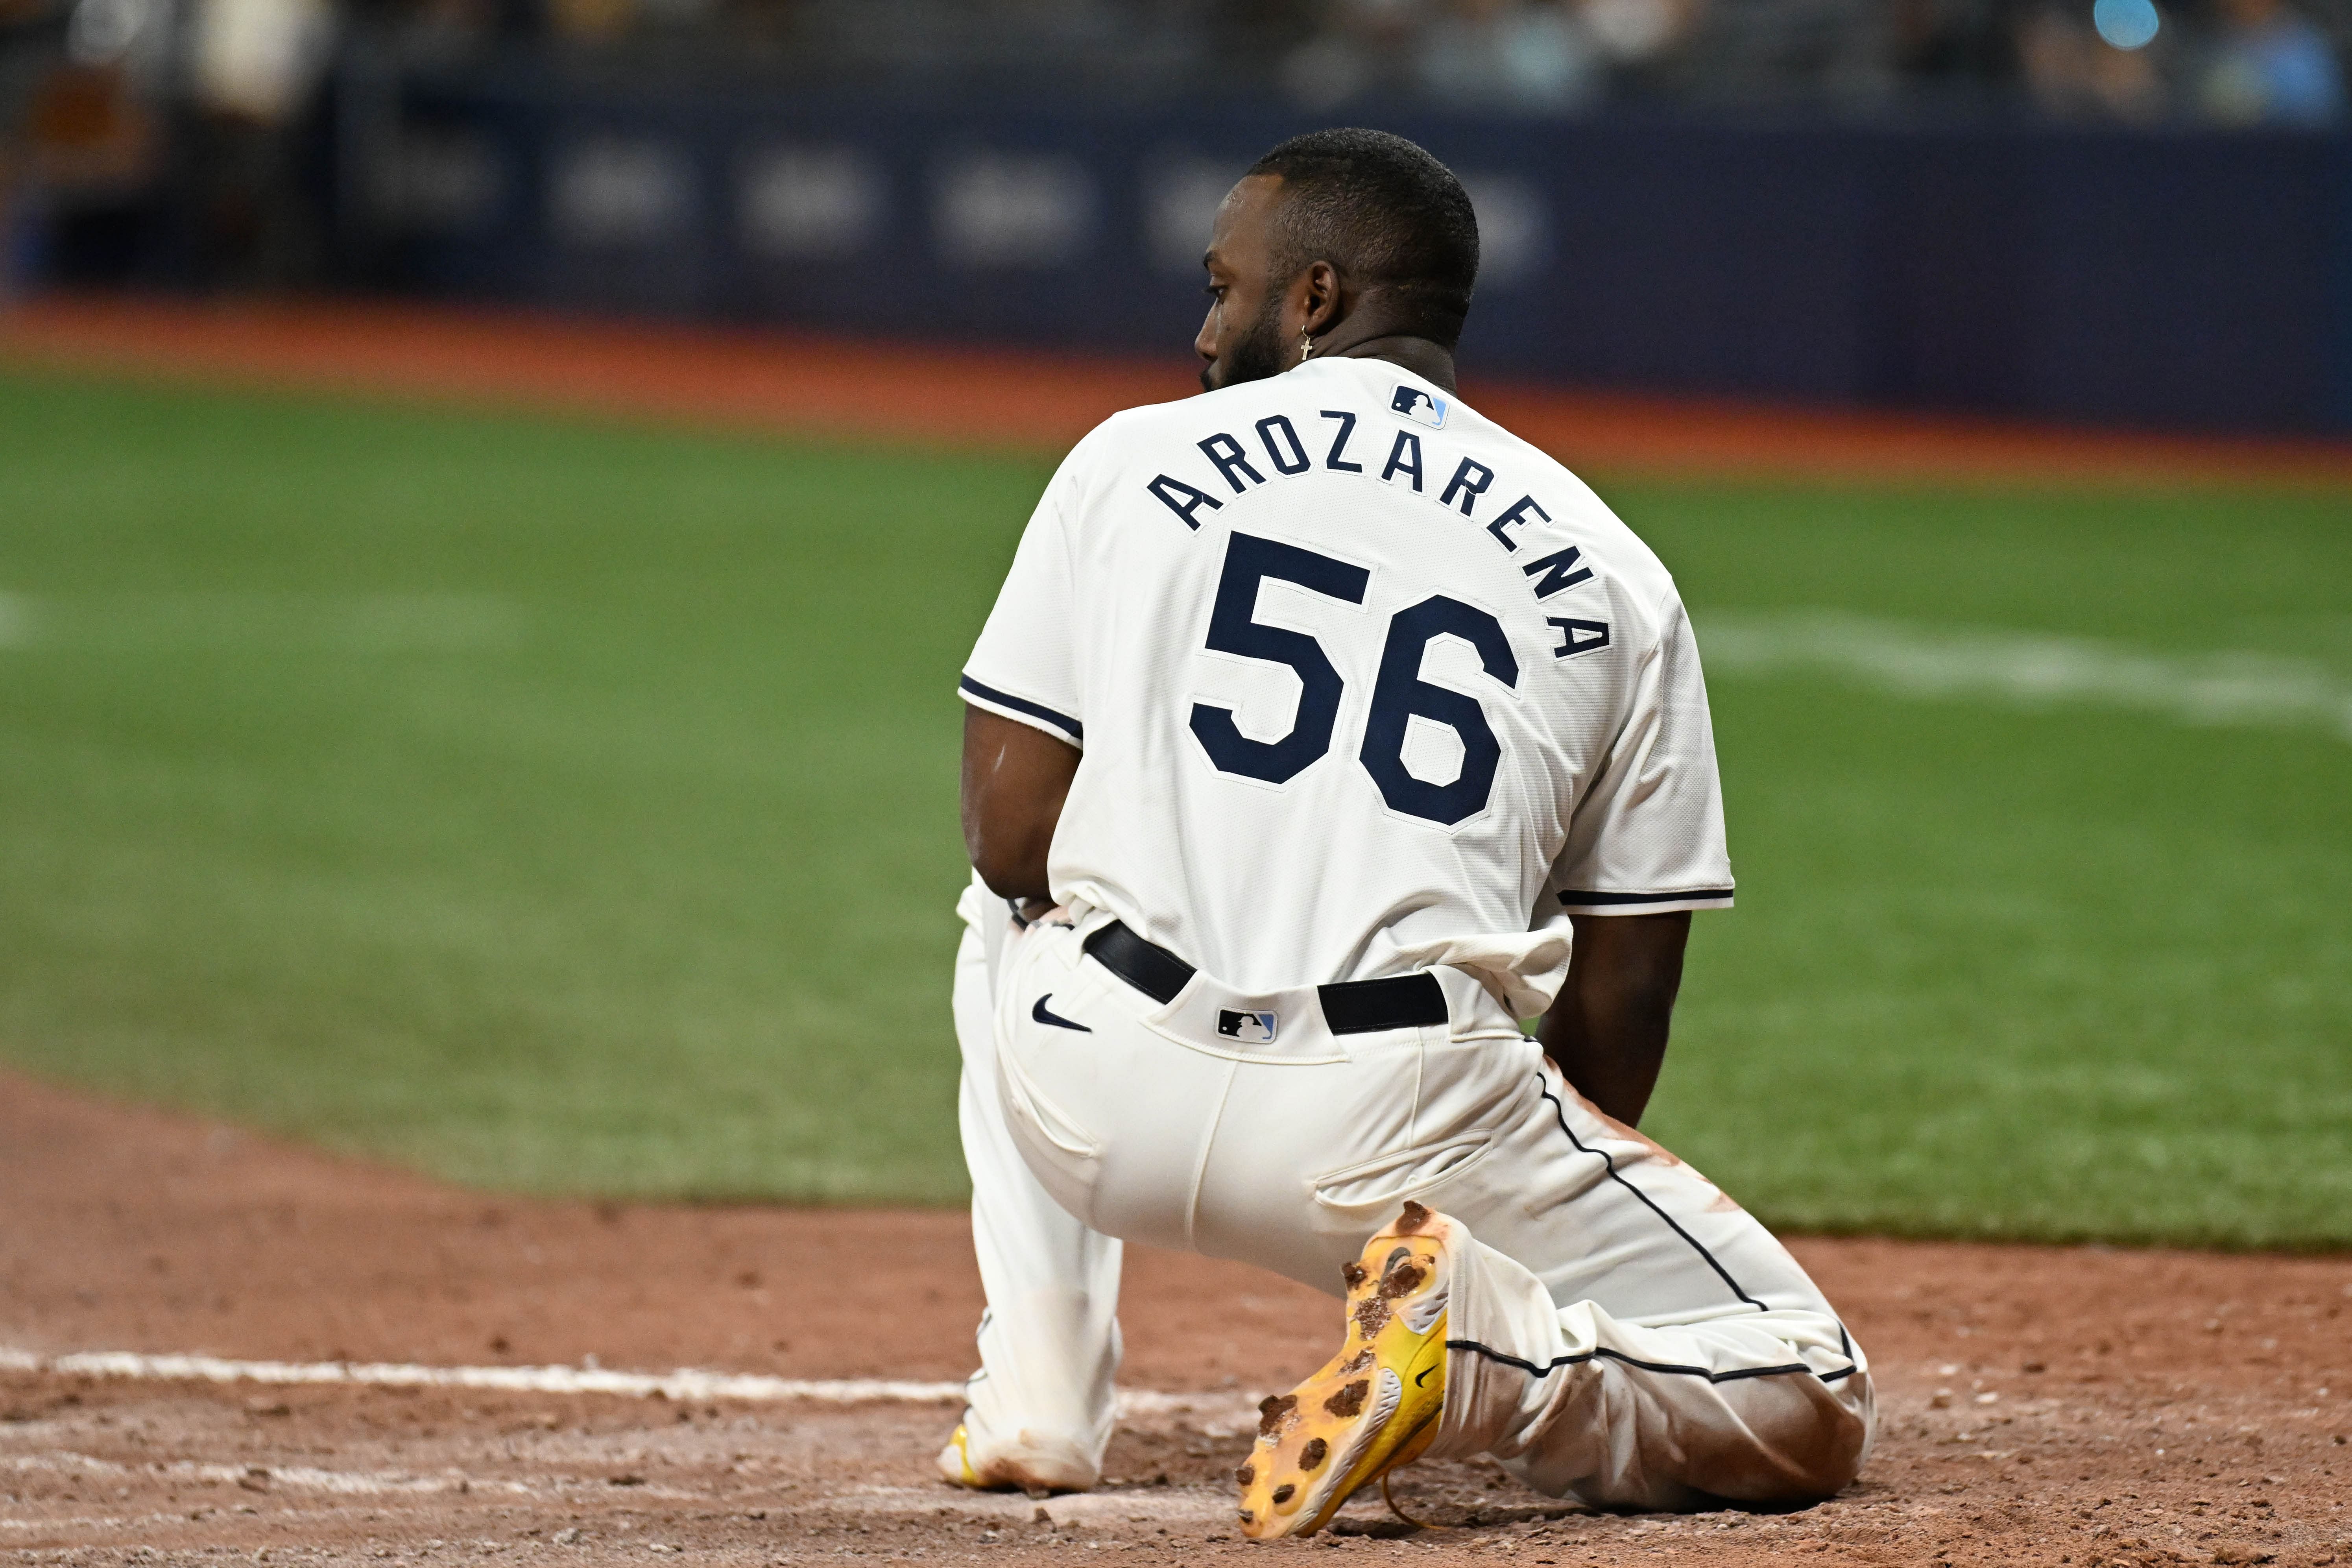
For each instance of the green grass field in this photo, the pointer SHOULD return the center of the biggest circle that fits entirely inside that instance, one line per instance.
(565, 806)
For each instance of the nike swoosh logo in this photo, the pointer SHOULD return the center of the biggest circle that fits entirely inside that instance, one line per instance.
(1043, 1017)
(1423, 1377)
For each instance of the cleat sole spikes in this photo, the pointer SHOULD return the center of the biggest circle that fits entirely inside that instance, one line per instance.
(1374, 1407)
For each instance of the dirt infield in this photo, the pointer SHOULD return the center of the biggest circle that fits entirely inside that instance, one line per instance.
(767, 380)
(2057, 1406)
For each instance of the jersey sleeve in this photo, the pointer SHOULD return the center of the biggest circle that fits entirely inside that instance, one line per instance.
(1025, 665)
(1648, 836)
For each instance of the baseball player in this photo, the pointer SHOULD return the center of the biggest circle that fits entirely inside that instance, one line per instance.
(1323, 731)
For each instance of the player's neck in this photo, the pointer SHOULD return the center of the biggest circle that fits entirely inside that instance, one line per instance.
(1431, 361)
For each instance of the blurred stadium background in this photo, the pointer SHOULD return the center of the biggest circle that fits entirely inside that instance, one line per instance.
(2095, 211)
(565, 801)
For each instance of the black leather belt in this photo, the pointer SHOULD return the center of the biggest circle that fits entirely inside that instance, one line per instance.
(1350, 1007)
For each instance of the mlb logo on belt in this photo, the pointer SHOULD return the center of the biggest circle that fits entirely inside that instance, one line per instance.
(1415, 404)
(1249, 1028)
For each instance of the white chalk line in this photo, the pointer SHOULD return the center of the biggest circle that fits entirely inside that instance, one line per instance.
(354, 1483)
(683, 1385)
(2026, 670)
(1222, 1413)
(1106, 1510)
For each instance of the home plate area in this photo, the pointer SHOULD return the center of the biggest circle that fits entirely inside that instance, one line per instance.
(453, 1377)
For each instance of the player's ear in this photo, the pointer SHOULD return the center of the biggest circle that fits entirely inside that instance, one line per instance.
(1319, 302)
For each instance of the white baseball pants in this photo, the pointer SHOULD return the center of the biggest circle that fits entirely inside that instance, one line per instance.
(1619, 1331)
(1038, 1411)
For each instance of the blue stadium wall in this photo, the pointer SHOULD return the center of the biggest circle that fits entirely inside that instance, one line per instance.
(2153, 278)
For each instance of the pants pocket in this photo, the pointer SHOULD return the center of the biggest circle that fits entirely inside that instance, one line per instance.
(1065, 1158)
(1368, 1188)
(1045, 1120)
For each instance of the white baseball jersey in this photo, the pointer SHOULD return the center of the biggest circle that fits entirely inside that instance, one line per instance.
(1364, 683)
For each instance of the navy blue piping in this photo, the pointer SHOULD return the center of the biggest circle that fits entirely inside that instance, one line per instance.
(1845, 1343)
(1061, 721)
(1577, 898)
(1734, 1375)
(1560, 1112)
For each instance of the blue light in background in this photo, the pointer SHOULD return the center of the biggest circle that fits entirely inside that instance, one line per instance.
(2127, 24)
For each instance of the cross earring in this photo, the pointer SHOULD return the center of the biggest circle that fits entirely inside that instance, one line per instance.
(1305, 345)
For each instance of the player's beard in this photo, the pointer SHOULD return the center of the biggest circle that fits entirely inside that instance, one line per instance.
(1258, 353)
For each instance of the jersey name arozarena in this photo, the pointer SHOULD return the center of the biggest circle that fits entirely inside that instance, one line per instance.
(1288, 455)
(1482, 684)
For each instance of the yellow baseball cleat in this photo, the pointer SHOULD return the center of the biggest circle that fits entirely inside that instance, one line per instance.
(1374, 1406)
(955, 1461)
(1040, 1468)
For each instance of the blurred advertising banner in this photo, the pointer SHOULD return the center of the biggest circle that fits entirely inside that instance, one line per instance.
(2186, 277)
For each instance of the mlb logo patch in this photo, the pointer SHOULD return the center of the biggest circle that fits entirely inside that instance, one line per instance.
(1419, 405)
(1248, 1028)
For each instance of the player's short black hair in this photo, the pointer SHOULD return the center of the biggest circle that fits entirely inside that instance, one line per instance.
(1387, 214)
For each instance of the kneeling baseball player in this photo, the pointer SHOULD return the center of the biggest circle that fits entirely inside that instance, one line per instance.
(1322, 731)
